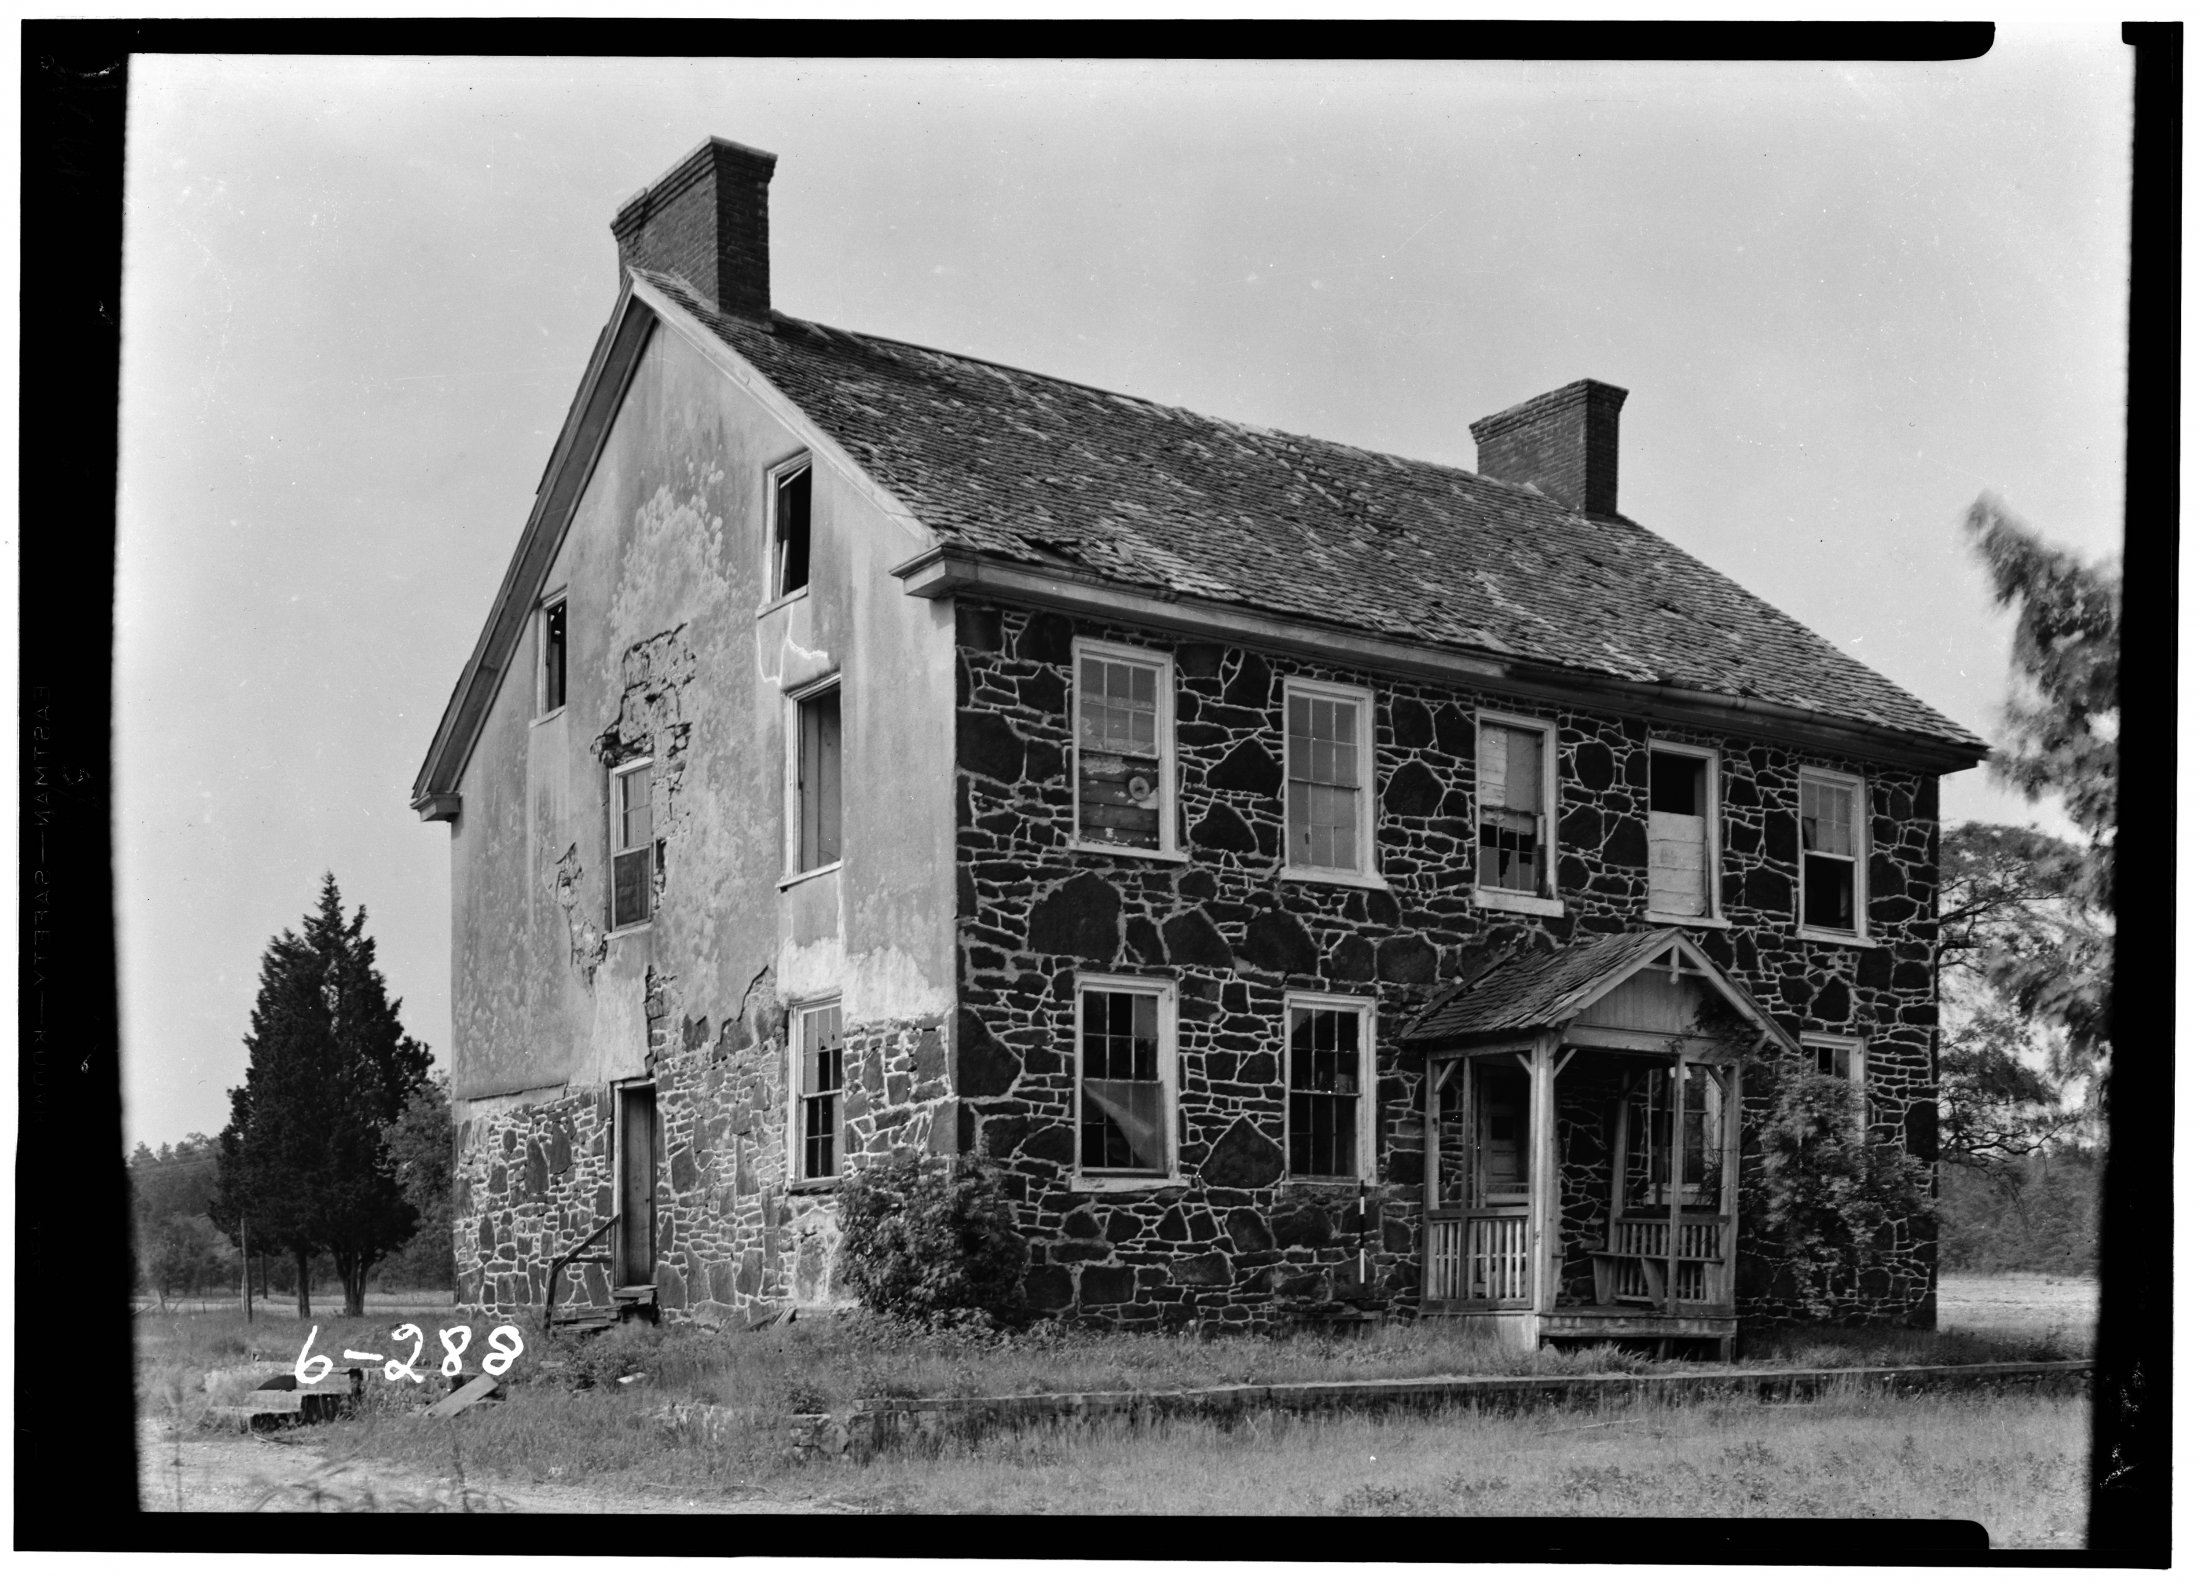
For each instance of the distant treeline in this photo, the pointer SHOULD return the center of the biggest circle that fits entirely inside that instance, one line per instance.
(2039, 1213)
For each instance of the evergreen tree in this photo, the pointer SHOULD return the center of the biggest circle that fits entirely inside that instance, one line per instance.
(2059, 739)
(422, 1152)
(302, 1163)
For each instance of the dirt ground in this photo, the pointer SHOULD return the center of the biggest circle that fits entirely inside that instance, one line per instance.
(290, 1473)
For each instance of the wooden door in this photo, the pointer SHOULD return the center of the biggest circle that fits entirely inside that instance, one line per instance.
(637, 1158)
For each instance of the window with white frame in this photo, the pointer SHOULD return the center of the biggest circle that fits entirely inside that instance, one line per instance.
(634, 848)
(815, 789)
(790, 522)
(1684, 832)
(1125, 748)
(1329, 827)
(1832, 840)
(1330, 1121)
(820, 1071)
(1512, 806)
(1836, 1056)
(550, 634)
(1126, 1056)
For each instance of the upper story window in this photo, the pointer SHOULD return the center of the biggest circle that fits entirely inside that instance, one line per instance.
(1126, 773)
(1126, 1078)
(1330, 1121)
(634, 848)
(819, 1055)
(815, 797)
(790, 513)
(1515, 779)
(1684, 833)
(550, 643)
(1329, 757)
(1832, 821)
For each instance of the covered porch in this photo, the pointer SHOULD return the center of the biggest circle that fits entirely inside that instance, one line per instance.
(1583, 1143)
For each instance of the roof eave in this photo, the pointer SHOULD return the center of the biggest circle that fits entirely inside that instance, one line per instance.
(947, 569)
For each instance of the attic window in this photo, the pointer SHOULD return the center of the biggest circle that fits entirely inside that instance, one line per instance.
(552, 643)
(790, 508)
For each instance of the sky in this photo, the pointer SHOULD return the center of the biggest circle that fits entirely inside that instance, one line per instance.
(360, 293)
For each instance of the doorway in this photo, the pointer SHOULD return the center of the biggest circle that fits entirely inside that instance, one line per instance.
(636, 1153)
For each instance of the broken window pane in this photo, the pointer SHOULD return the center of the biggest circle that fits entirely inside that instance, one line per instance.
(1830, 847)
(1119, 748)
(1122, 1122)
(1325, 1091)
(791, 530)
(553, 657)
(822, 1065)
(1509, 781)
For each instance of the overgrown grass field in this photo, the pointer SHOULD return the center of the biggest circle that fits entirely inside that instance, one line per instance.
(706, 1414)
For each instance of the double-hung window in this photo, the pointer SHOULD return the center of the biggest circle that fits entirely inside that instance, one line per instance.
(1832, 840)
(1684, 833)
(819, 1079)
(1328, 814)
(815, 777)
(790, 521)
(1125, 774)
(1330, 1123)
(634, 847)
(1514, 779)
(1126, 1079)
(550, 643)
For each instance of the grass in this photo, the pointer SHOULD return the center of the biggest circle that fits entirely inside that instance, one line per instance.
(705, 1413)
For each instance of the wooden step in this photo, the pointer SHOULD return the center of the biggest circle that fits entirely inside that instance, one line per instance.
(647, 1295)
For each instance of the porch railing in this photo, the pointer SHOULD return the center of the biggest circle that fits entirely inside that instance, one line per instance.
(1634, 1268)
(1479, 1256)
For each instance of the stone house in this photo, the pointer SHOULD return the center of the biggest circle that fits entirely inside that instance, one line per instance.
(1304, 870)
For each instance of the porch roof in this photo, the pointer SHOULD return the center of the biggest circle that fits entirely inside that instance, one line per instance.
(1521, 993)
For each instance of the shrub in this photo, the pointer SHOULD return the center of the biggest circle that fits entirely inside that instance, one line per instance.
(933, 1241)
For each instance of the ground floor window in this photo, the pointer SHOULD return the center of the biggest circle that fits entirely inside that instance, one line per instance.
(1330, 1042)
(818, 1058)
(1126, 1041)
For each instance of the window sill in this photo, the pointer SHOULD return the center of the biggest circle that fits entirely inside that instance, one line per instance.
(547, 716)
(809, 874)
(630, 929)
(1694, 920)
(813, 1185)
(1832, 937)
(1350, 1184)
(1083, 1184)
(1343, 877)
(1519, 902)
(1104, 850)
(769, 606)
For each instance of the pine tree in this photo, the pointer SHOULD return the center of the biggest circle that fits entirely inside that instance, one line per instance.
(2059, 739)
(302, 1163)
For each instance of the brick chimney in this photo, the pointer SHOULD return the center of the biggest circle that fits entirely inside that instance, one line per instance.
(1564, 442)
(708, 221)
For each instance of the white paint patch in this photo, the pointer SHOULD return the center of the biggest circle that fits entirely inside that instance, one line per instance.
(618, 1040)
(889, 983)
(813, 969)
(799, 665)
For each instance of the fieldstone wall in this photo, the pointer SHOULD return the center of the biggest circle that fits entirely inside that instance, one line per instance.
(1232, 1242)
(734, 1236)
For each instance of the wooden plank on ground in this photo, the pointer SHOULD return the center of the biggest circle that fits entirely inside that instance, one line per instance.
(465, 1397)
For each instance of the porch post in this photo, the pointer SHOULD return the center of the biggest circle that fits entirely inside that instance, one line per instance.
(1673, 1200)
(1731, 1174)
(1543, 1174)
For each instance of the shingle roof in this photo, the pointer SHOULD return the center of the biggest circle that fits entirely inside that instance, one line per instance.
(1043, 471)
(1531, 992)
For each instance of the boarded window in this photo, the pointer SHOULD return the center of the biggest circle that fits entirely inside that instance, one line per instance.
(1680, 835)
(791, 530)
(1123, 1114)
(553, 656)
(819, 1054)
(1121, 724)
(1513, 820)
(1830, 850)
(1325, 1091)
(1324, 781)
(633, 846)
(817, 781)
